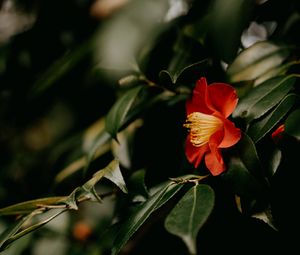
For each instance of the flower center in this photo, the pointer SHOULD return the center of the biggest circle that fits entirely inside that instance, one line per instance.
(201, 126)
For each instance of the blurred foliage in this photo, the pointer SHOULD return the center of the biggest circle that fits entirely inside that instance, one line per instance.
(92, 106)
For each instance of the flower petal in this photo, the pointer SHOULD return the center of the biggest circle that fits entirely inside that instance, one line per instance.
(231, 134)
(213, 159)
(223, 98)
(200, 101)
(194, 154)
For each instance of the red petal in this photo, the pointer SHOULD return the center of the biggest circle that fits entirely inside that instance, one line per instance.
(200, 101)
(213, 160)
(231, 134)
(223, 98)
(194, 154)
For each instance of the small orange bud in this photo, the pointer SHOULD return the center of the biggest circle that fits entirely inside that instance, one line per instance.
(81, 231)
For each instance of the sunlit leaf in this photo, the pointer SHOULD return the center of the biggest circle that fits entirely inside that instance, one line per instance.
(117, 114)
(29, 206)
(190, 213)
(292, 124)
(134, 222)
(111, 172)
(275, 71)
(263, 97)
(259, 129)
(256, 60)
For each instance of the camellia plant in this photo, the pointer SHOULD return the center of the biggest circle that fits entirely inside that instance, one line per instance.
(149, 127)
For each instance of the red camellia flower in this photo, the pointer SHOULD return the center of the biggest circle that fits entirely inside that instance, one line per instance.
(209, 128)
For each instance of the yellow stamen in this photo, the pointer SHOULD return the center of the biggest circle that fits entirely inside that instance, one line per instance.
(201, 127)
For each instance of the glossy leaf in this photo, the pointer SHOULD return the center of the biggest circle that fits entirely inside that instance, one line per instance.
(134, 222)
(229, 18)
(248, 155)
(292, 124)
(256, 60)
(262, 127)
(263, 97)
(117, 114)
(190, 213)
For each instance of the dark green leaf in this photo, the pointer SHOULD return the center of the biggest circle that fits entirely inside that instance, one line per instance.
(190, 213)
(136, 183)
(292, 124)
(165, 79)
(191, 73)
(241, 181)
(259, 129)
(256, 60)
(117, 114)
(62, 66)
(130, 226)
(264, 97)
(228, 20)
(248, 155)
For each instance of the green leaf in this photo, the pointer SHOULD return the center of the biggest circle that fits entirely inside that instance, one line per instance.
(117, 114)
(248, 155)
(228, 20)
(275, 161)
(292, 124)
(260, 128)
(11, 231)
(263, 97)
(29, 230)
(111, 172)
(61, 67)
(29, 206)
(256, 60)
(191, 73)
(136, 183)
(166, 79)
(100, 140)
(190, 213)
(241, 181)
(140, 215)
